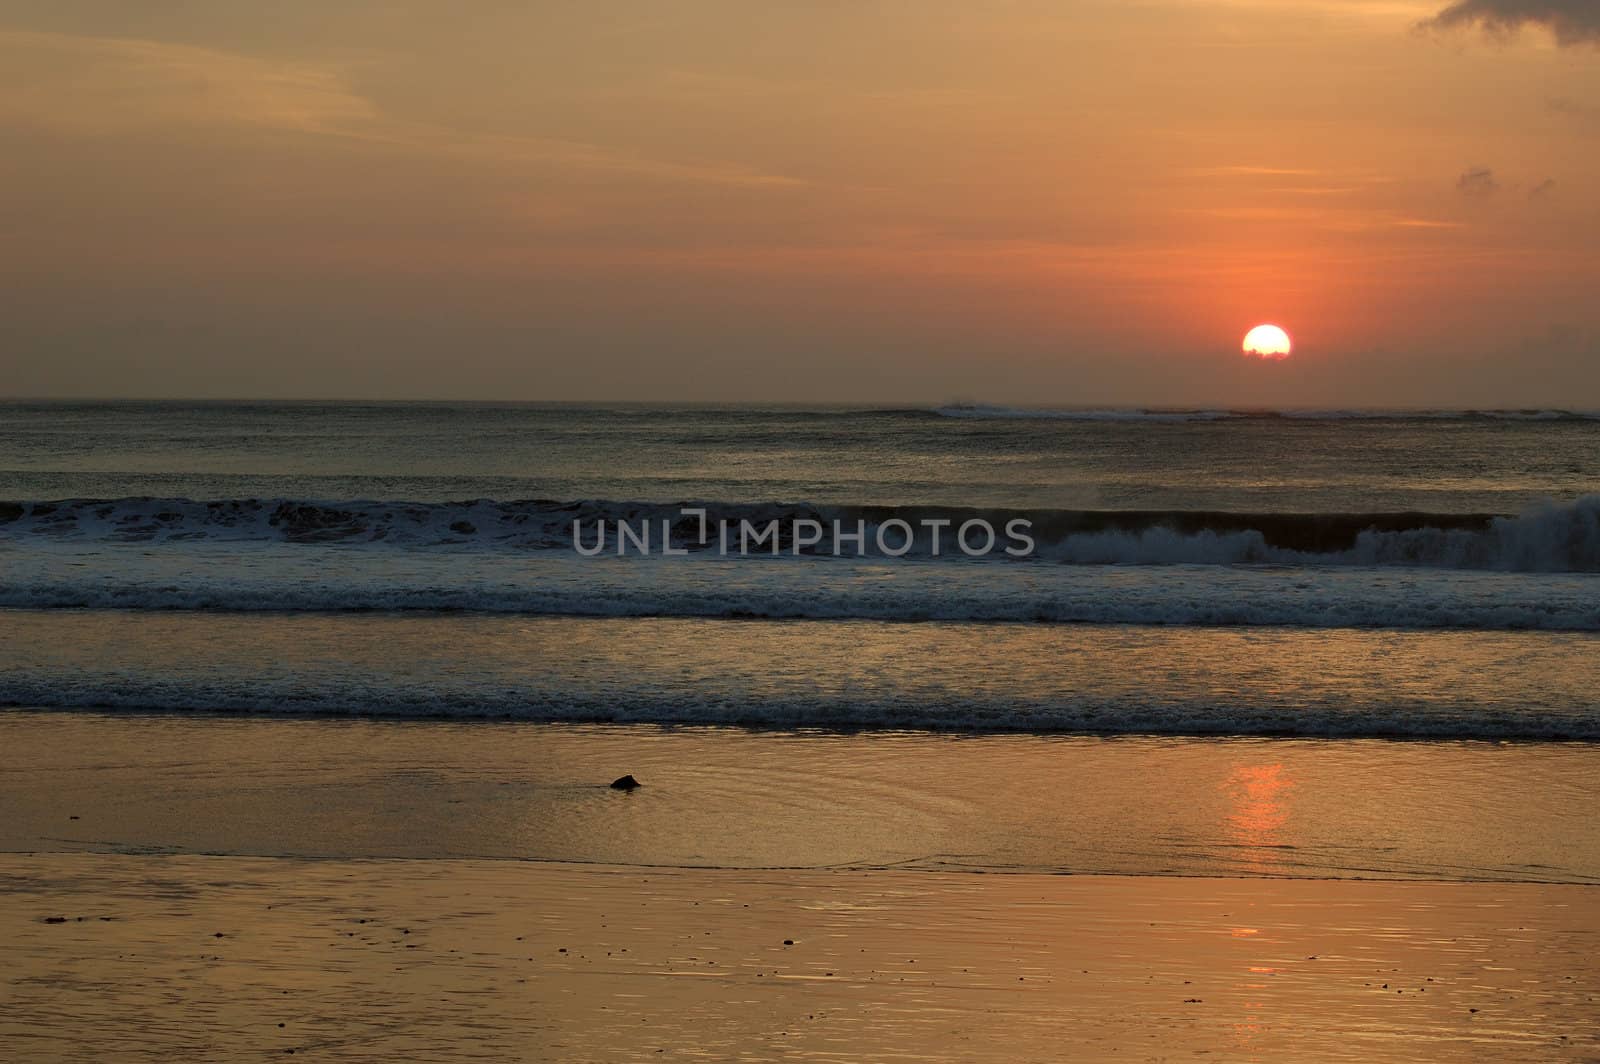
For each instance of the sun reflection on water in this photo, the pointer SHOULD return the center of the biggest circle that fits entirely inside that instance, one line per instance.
(1260, 809)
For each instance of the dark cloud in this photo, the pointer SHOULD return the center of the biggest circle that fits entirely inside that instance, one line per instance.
(1542, 189)
(1572, 21)
(1479, 181)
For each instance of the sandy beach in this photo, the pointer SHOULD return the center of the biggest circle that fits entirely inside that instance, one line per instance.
(178, 887)
(223, 958)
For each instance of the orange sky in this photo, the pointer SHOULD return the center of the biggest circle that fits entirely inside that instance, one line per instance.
(1052, 201)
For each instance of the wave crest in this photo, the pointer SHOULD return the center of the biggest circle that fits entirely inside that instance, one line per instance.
(1551, 537)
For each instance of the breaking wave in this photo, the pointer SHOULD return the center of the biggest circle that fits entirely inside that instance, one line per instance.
(1552, 537)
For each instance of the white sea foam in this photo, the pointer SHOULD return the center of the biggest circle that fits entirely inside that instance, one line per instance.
(298, 577)
(1550, 537)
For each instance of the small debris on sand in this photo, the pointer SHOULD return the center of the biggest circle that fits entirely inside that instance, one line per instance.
(626, 783)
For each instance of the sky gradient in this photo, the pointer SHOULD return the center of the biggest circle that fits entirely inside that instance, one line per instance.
(1066, 203)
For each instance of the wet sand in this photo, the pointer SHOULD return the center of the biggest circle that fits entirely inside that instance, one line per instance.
(736, 798)
(177, 887)
(126, 957)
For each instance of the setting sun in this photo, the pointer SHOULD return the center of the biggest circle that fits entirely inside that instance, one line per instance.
(1267, 341)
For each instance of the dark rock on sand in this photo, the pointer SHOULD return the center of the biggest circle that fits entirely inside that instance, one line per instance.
(626, 783)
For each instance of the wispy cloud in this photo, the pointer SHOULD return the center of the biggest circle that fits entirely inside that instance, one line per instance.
(1571, 21)
(1420, 223)
(106, 85)
(1249, 171)
(1342, 220)
(100, 85)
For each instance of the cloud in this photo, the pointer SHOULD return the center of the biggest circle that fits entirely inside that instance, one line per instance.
(100, 85)
(1249, 171)
(1422, 223)
(97, 86)
(1478, 182)
(1542, 189)
(1571, 21)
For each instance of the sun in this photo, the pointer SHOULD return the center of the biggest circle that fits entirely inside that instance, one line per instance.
(1267, 341)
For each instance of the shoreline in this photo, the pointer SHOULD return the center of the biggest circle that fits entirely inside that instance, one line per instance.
(782, 730)
(839, 869)
(721, 797)
(785, 731)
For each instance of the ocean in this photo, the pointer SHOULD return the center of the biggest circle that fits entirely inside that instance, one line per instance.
(1337, 643)
(1428, 574)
